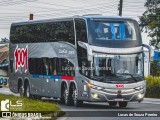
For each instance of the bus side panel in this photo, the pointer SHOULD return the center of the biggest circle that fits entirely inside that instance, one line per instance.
(35, 85)
(51, 87)
(13, 83)
(83, 90)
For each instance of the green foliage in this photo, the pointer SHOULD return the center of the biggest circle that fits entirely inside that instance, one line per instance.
(150, 21)
(152, 86)
(155, 69)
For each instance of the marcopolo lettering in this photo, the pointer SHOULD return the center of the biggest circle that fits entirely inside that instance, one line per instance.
(21, 58)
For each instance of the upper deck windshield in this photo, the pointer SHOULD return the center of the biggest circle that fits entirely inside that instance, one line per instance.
(110, 30)
(114, 33)
(117, 68)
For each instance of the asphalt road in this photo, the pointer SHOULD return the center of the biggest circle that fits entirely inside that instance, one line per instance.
(100, 110)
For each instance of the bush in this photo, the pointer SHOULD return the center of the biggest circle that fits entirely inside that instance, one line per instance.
(152, 87)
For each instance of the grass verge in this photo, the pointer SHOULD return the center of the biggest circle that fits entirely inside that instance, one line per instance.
(30, 105)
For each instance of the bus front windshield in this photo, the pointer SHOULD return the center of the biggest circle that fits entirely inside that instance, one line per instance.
(114, 30)
(117, 68)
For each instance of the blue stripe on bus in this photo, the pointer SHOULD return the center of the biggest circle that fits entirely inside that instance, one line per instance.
(46, 76)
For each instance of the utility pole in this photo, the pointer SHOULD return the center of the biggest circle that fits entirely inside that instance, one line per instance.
(30, 16)
(120, 5)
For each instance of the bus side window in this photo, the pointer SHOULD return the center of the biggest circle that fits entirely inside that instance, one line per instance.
(52, 64)
(35, 65)
(45, 66)
(70, 68)
(66, 67)
(83, 63)
(81, 32)
(31, 66)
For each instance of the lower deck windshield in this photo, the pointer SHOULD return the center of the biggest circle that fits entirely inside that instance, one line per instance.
(117, 68)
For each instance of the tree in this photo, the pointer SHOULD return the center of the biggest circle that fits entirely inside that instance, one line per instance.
(150, 22)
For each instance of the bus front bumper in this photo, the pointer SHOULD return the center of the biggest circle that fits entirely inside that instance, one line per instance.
(98, 95)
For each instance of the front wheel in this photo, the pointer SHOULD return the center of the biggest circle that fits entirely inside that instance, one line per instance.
(76, 102)
(122, 104)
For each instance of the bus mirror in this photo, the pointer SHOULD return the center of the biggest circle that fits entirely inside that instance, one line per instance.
(151, 52)
(90, 58)
(151, 59)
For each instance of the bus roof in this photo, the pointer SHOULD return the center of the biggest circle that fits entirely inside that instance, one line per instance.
(76, 16)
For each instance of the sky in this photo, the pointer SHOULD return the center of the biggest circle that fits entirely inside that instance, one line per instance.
(19, 10)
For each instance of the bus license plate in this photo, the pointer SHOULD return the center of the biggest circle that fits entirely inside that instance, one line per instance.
(118, 99)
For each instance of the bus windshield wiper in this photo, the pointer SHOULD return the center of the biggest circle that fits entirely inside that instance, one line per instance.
(97, 78)
(130, 75)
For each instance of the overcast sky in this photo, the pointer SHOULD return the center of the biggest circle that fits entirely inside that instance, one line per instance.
(19, 10)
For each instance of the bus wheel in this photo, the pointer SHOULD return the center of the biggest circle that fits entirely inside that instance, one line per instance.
(122, 104)
(76, 102)
(27, 91)
(21, 91)
(112, 104)
(65, 96)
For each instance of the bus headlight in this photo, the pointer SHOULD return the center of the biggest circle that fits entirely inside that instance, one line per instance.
(139, 96)
(94, 95)
(94, 87)
(139, 88)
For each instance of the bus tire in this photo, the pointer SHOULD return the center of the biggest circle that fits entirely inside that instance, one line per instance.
(27, 91)
(20, 89)
(65, 99)
(122, 104)
(112, 104)
(77, 103)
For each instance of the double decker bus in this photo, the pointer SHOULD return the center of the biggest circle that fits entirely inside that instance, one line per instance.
(76, 59)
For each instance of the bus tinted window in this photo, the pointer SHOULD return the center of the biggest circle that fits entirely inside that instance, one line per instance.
(83, 63)
(66, 68)
(114, 30)
(51, 66)
(81, 32)
(43, 32)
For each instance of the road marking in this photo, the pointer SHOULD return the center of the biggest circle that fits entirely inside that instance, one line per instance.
(6, 91)
(151, 102)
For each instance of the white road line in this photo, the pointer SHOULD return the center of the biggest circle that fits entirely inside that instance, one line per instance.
(6, 91)
(157, 103)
